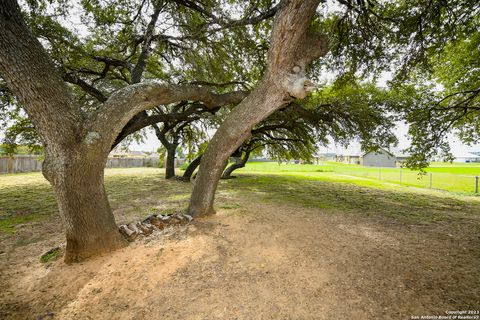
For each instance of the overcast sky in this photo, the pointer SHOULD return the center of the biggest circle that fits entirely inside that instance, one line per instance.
(152, 144)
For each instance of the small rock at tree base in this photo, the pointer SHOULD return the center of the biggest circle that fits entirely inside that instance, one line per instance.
(176, 219)
(129, 234)
(144, 229)
(134, 228)
(156, 221)
(165, 218)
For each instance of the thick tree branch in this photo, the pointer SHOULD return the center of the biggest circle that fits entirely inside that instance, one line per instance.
(127, 102)
(143, 120)
(220, 85)
(113, 62)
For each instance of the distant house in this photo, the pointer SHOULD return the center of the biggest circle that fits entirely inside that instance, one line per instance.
(379, 158)
(348, 158)
(401, 158)
(323, 157)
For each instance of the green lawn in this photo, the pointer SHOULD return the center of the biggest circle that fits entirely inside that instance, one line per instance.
(137, 192)
(27, 197)
(457, 178)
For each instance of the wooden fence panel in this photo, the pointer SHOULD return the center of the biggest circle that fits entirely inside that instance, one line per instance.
(30, 163)
(20, 163)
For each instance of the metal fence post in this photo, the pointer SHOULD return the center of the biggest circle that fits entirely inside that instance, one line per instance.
(430, 180)
(476, 184)
(400, 175)
(379, 174)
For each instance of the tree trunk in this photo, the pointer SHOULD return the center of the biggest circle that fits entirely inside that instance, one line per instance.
(170, 163)
(187, 175)
(229, 136)
(239, 163)
(79, 189)
(292, 49)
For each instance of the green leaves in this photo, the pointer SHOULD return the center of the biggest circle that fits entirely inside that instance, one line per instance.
(349, 110)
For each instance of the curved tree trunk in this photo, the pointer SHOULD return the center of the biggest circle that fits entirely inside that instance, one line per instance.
(239, 163)
(292, 49)
(187, 175)
(78, 183)
(234, 166)
(170, 163)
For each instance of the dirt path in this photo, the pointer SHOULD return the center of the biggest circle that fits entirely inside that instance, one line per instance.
(259, 261)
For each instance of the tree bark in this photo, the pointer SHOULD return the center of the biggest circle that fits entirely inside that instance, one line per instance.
(239, 163)
(292, 49)
(80, 193)
(187, 175)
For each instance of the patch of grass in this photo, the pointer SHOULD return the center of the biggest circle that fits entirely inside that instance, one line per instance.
(50, 255)
(372, 198)
(177, 197)
(27, 197)
(229, 206)
(169, 211)
(458, 179)
(135, 193)
(8, 224)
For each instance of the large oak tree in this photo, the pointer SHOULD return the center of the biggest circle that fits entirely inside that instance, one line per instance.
(77, 143)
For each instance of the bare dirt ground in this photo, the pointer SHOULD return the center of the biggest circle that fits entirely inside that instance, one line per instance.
(259, 260)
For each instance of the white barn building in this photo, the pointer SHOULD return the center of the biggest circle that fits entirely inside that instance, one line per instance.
(379, 158)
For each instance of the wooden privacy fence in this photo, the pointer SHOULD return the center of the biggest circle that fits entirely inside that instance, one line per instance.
(30, 163)
(131, 162)
(20, 163)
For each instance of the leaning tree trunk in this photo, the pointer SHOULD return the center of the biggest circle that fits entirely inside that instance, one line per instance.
(230, 135)
(239, 163)
(170, 163)
(78, 184)
(187, 175)
(292, 49)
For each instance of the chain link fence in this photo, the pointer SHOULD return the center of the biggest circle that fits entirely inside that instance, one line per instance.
(454, 182)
